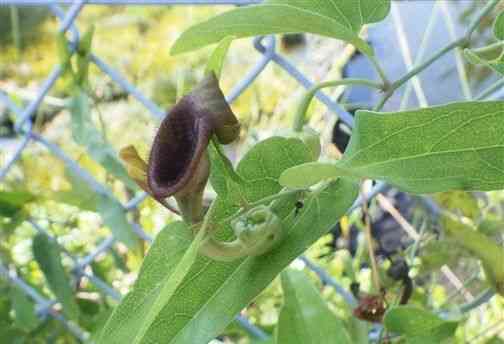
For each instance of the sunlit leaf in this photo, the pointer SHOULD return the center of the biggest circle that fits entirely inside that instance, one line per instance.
(449, 147)
(339, 19)
(133, 328)
(161, 261)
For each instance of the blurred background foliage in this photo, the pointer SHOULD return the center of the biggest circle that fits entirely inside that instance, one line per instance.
(136, 40)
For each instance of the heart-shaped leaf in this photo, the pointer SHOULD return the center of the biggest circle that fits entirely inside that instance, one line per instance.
(341, 19)
(305, 317)
(458, 146)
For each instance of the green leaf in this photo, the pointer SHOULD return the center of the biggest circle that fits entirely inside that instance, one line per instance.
(47, 255)
(305, 317)
(339, 19)
(418, 325)
(86, 134)
(214, 292)
(218, 57)
(133, 328)
(456, 146)
(498, 27)
(24, 310)
(12, 202)
(485, 249)
(167, 250)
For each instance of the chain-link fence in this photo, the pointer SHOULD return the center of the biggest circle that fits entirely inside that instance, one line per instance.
(267, 54)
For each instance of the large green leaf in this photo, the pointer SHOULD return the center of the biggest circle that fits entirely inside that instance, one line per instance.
(305, 317)
(132, 318)
(419, 326)
(456, 146)
(86, 134)
(47, 255)
(214, 292)
(341, 19)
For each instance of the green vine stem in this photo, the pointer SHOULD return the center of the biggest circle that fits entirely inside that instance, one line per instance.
(299, 118)
(459, 43)
(380, 71)
(262, 201)
(489, 48)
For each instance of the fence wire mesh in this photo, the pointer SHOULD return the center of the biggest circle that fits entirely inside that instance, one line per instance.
(268, 54)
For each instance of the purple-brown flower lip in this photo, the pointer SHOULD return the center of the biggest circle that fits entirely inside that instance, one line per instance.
(178, 162)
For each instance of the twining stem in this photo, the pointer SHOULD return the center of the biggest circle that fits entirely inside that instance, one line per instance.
(379, 70)
(461, 42)
(489, 48)
(369, 240)
(299, 118)
(264, 200)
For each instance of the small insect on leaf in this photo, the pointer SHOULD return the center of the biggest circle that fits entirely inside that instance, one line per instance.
(299, 205)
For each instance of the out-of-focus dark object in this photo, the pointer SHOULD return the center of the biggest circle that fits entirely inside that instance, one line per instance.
(293, 41)
(387, 233)
(399, 271)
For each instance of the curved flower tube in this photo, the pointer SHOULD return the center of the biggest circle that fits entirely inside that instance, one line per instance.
(178, 163)
(257, 232)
